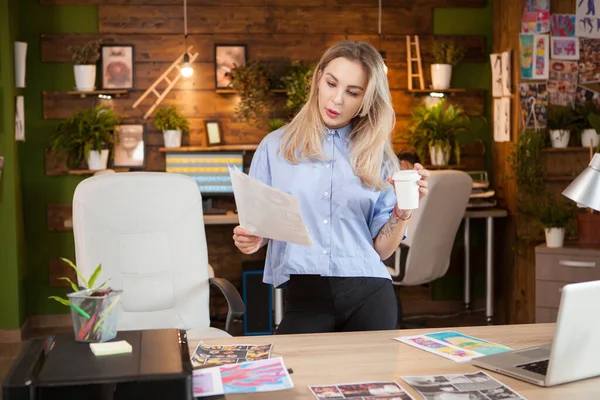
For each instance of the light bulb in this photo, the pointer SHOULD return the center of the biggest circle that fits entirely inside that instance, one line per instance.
(187, 70)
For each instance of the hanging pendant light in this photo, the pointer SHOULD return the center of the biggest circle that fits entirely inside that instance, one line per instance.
(186, 70)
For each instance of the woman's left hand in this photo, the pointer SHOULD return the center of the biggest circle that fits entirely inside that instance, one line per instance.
(423, 190)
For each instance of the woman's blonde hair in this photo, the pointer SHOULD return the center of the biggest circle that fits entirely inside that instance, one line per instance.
(370, 140)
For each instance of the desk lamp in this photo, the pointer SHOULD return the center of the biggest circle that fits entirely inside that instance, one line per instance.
(585, 189)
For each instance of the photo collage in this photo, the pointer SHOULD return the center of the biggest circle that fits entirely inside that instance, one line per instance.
(363, 391)
(229, 354)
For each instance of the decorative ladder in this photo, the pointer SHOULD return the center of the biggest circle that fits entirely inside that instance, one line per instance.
(410, 60)
(164, 77)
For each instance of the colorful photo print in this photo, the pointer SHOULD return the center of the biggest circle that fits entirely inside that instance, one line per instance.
(589, 60)
(536, 16)
(229, 354)
(361, 390)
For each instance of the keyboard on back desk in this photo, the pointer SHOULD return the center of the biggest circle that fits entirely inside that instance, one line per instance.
(539, 367)
(214, 211)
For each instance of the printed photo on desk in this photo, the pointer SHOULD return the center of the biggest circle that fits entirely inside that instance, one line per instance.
(361, 390)
(256, 376)
(229, 354)
(476, 386)
(453, 345)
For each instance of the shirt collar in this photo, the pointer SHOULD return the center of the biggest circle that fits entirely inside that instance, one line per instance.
(343, 132)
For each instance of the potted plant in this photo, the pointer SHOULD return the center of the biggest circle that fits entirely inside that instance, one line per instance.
(252, 82)
(554, 216)
(297, 84)
(446, 53)
(88, 135)
(172, 124)
(587, 121)
(435, 129)
(561, 121)
(84, 60)
(93, 307)
(275, 124)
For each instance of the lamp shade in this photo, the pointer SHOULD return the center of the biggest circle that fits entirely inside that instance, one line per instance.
(585, 189)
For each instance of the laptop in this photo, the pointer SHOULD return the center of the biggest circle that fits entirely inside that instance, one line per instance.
(574, 353)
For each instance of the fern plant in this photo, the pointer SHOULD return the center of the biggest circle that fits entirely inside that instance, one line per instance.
(297, 85)
(168, 118)
(438, 126)
(252, 82)
(447, 52)
(85, 284)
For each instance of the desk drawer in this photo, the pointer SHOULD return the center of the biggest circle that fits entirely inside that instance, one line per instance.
(567, 268)
(547, 293)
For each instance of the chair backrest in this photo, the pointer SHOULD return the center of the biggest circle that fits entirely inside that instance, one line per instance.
(434, 225)
(147, 231)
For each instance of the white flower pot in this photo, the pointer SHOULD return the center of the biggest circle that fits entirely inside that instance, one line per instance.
(554, 237)
(560, 138)
(439, 155)
(440, 76)
(589, 135)
(85, 77)
(97, 160)
(172, 138)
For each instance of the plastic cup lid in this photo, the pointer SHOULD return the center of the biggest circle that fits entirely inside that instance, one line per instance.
(407, 175)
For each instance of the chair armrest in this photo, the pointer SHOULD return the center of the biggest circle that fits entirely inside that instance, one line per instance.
(234, 301)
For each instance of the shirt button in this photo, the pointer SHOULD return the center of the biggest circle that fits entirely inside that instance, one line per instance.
(329, 139)
(324, 221)
(328, 165)
(326, 194)
(324, 251)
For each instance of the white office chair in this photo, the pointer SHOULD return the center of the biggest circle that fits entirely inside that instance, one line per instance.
(432, 229)
(147, 231)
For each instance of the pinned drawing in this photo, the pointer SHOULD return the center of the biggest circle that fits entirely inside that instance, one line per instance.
(534, 51)
(589, 60)
(562, 25)
(533, 99)
(536, 16)
(587, 21)
(562, 82)
(506, 74)
(497, 74)
(502, 119)
(564, 48)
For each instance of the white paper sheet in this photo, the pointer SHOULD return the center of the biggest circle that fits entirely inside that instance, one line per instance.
(268, 212)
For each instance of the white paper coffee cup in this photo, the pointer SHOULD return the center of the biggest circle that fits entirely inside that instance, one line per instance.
(407, 189)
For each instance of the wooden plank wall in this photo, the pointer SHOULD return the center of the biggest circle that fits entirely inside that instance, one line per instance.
(518, 276)
(276, 32)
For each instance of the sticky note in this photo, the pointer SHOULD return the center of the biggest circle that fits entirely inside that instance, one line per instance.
(111, 348)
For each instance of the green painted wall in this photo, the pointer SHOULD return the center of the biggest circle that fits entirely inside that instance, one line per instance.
(39, 189)
(12, 312)
(468, 21)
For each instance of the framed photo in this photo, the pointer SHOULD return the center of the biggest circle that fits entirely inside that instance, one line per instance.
(117, 66)
(213, 132)
(227, 57)
(130, 147)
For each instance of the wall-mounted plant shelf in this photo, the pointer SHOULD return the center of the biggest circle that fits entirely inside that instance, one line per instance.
(226, 147)
(100, 93)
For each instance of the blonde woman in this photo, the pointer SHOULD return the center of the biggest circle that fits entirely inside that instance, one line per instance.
(335, 156)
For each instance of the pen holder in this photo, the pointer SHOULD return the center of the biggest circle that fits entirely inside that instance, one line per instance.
(95, 314)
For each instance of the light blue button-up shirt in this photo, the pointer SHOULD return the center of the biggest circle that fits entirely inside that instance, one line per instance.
(342, 216)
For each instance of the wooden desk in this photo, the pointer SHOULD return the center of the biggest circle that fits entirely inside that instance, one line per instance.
(321, 359)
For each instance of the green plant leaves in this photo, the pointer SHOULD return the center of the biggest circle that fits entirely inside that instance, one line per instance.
(94, 276)
(252, 82)
(62, 301)
(73, 285)
(79, 275)
(168, 118)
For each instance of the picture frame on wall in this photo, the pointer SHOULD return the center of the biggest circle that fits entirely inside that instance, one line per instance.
(130, 146)
(227, 57)
(213, 132)
(117, 66)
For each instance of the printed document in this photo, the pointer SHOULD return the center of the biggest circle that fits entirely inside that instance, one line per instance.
(267, 212)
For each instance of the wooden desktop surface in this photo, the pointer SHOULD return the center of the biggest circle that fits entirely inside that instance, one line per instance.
(321, 359)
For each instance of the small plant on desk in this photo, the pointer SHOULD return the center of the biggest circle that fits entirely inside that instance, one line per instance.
(93, 308)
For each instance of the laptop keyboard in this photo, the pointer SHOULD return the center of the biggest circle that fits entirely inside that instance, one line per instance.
(539, 367)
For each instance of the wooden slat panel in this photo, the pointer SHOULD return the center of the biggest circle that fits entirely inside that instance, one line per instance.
(277, 3)
(563, 7)
(206, 103)
(263, 47)
(250, 20)
(57, 268)
(59, 217)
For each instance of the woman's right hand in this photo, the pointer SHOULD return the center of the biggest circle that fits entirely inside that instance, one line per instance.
(246, 242)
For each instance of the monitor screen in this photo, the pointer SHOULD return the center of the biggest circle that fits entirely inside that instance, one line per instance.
(209, 169)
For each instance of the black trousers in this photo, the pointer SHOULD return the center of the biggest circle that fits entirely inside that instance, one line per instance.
(316, 304)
